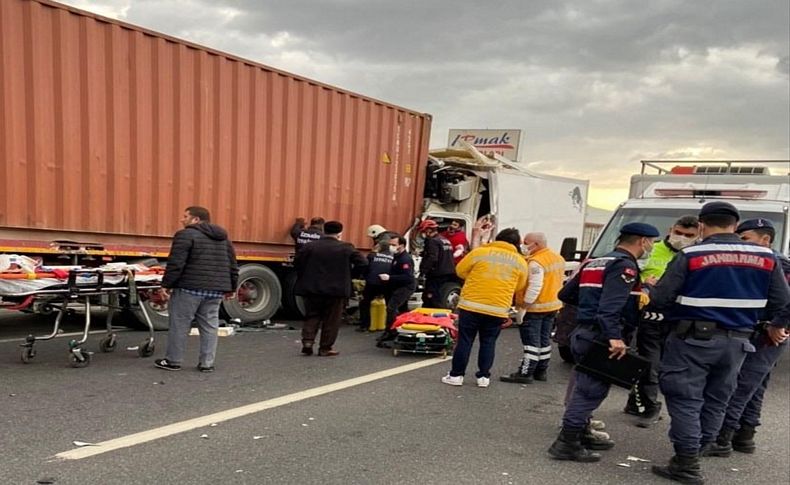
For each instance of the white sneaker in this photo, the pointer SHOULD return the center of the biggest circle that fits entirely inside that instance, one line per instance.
(453, 380)
(483, 381)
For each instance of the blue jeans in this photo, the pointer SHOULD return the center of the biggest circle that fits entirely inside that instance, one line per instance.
(185, 308)
(469, 325)
(536, 337)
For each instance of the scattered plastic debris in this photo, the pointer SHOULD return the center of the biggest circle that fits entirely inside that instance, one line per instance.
(159, 383)
(257, 437)
(311, 419)
(305, 425)
(213, 424)
(624, 465)
(239, 471)
(12, 395)
(734, 469)
(504, 474)
(83, 443)
(636, 458)
(204, 436)
(136, 347)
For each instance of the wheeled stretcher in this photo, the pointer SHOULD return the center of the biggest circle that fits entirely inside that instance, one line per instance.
(91, 288)
(425, 331)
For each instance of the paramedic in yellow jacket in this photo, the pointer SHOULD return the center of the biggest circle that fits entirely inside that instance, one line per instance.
(546, 271)
(492, 275)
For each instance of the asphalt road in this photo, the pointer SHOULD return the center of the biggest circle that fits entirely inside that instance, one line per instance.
(406, 428)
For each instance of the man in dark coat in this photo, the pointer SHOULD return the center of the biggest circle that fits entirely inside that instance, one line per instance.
(201, 270)
(324, 269)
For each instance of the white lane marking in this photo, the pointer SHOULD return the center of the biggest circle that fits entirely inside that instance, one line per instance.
(72, 334)
(190, 424)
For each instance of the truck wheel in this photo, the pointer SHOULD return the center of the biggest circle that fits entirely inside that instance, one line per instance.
(291, 301)
(157, 312)
(257, 296)
(449, 294)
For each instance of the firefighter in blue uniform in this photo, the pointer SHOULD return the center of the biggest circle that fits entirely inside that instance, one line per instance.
(606, 291)
(712, 293)
(743, 412)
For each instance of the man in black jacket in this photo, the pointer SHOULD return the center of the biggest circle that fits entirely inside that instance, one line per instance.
(324, 269)
(437, 265)
(305, 235)
(201, 270)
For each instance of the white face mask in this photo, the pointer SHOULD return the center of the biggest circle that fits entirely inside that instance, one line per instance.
(394, 249)
(525, 250)
(647, 251)
(680, 242)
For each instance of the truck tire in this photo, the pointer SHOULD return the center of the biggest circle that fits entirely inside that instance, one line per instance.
(450, 293)
(257, 296)
(292, 302)
(160, 319)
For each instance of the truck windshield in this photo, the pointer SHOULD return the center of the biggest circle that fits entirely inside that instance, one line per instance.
(663, 219)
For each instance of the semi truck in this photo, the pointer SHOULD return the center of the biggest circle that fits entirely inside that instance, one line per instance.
(108, 131)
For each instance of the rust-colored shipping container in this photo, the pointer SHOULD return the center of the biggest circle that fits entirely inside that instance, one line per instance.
(108, 131)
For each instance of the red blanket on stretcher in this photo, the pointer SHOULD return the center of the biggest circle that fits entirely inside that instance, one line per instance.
(446, 321)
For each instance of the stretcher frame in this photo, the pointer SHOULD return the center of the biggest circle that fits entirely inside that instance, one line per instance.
(108, 296)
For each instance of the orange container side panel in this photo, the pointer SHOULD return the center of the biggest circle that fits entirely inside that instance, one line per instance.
(107, 128)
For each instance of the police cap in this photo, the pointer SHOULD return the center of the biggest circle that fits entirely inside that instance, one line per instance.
(752, 224)
(640, 229)
(719, 208)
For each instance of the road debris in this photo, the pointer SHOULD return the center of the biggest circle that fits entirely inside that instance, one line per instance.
(624, 465)
(636, 458)
(83, 443)
(204, 436)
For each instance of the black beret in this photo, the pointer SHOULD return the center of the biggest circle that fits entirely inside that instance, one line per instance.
(719, 208)
(640, 229)
(752, 224)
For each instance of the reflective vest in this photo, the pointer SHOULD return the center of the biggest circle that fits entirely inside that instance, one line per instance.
(553, 272)
(726, 282)
(492, 274)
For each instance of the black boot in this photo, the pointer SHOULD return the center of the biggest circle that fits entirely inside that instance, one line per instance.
(650, 416)
(722, 447)
(743, 439)
(683, 469)
(568, 446)
(541, 375)
(633, 405)
(517, 377)
(595, 441)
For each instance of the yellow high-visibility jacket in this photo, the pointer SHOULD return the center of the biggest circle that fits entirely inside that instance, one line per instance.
(492, 275)
(549, 271)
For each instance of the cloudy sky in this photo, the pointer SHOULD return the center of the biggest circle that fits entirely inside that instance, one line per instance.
(594, 85)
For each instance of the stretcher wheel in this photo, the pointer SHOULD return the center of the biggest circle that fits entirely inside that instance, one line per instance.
(108, 344)
(146, 349)
(77, 363)
(395, 352)
(27, 354)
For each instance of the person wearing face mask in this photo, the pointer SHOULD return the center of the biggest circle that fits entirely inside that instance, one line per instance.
(379, 266)
(606, 291)
(643, 399)
(541, 304)
(743, 412)
(400, 284)
(713, 294)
